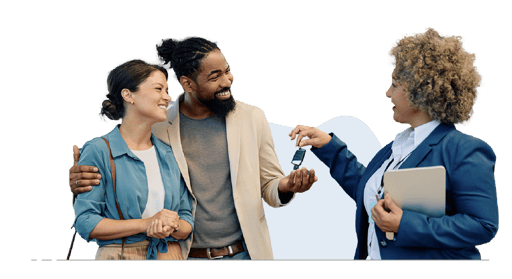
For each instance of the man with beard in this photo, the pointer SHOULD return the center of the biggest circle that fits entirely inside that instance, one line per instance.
(225, 153)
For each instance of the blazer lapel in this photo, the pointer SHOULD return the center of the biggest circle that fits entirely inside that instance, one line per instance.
(173, 131)
(233, 126)
(425, 147)
(374, 165)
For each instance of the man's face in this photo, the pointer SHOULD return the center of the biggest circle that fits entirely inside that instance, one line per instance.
(214, 81)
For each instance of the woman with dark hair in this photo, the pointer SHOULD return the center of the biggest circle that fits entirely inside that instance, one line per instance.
(143, 210)
(433, 87)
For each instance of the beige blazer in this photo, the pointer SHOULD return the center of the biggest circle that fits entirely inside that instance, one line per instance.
(255, 171)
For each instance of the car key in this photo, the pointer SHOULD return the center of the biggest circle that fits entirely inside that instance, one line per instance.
(298, 158)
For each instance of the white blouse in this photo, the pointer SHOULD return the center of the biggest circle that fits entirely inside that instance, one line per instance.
(156, 192)
(404, 144)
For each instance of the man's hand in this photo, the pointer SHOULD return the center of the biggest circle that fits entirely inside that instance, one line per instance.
(297, 181)
(387, 220)
(316, 137)
(82, 178)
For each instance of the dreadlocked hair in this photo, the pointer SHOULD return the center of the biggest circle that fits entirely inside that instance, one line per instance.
(185, 56)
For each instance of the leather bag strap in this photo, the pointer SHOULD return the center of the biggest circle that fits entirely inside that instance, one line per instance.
(113, 170)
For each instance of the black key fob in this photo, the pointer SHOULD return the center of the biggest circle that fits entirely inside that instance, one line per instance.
(298, 158)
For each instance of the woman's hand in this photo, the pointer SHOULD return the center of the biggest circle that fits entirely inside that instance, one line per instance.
(316, 137)
(387, 220)
(167, 217)
(157, 230)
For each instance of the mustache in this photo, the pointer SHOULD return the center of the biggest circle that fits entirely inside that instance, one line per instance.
(222, 90)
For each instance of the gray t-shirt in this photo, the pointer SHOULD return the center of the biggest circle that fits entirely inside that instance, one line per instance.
(205, 147)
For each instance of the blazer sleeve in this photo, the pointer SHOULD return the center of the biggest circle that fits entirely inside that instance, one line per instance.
(90, 206)
(472, 207)
(270, 169)
(343, 165)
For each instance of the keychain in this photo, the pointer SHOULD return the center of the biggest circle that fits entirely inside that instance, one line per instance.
(298, 158)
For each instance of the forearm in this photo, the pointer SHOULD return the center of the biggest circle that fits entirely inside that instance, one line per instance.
(471, 210)
(108, 229)
(284, 196)
(457, 231)
(184, 230)
(343, 165)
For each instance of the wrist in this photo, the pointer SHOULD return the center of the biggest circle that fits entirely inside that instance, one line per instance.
(144, 224)
(282, 186)
(175, 230)
(325, 139)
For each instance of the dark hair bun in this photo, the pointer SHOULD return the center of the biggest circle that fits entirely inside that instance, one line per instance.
(166, 49)
(110, 110)
(185, 56)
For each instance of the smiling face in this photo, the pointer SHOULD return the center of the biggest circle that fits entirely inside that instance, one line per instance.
(402, 109)
(212, 86)
(150, 102)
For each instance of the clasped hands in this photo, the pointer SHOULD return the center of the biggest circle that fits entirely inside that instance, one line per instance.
(162, 224)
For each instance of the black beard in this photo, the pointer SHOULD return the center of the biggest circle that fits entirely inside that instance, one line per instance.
(218, 107)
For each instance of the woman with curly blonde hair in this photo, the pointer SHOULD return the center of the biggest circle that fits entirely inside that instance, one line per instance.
(433, 87)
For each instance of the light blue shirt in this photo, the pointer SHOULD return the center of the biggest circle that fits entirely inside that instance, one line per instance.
(132, 189)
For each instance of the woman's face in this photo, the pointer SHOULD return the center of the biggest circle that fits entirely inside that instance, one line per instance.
(402, 109)
(150, 102)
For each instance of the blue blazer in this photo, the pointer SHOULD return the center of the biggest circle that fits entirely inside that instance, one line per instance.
(471, 204)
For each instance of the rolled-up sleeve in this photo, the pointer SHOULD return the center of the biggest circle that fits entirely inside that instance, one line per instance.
(90, 206)
(185, 211)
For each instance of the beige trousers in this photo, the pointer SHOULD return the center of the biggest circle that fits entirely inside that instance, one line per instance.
(137, 251)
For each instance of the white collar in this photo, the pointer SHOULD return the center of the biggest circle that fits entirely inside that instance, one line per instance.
(406, 141)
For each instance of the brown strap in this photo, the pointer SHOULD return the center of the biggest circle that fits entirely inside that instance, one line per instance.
(113, 170)
(214, 253)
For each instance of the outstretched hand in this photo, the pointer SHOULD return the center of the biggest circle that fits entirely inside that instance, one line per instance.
(298, 181)
(387, 215)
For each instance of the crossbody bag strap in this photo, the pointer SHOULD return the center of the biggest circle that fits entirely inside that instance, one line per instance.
(113, 169)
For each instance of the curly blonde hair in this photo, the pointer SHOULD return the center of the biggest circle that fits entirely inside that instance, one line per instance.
(438, 74)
